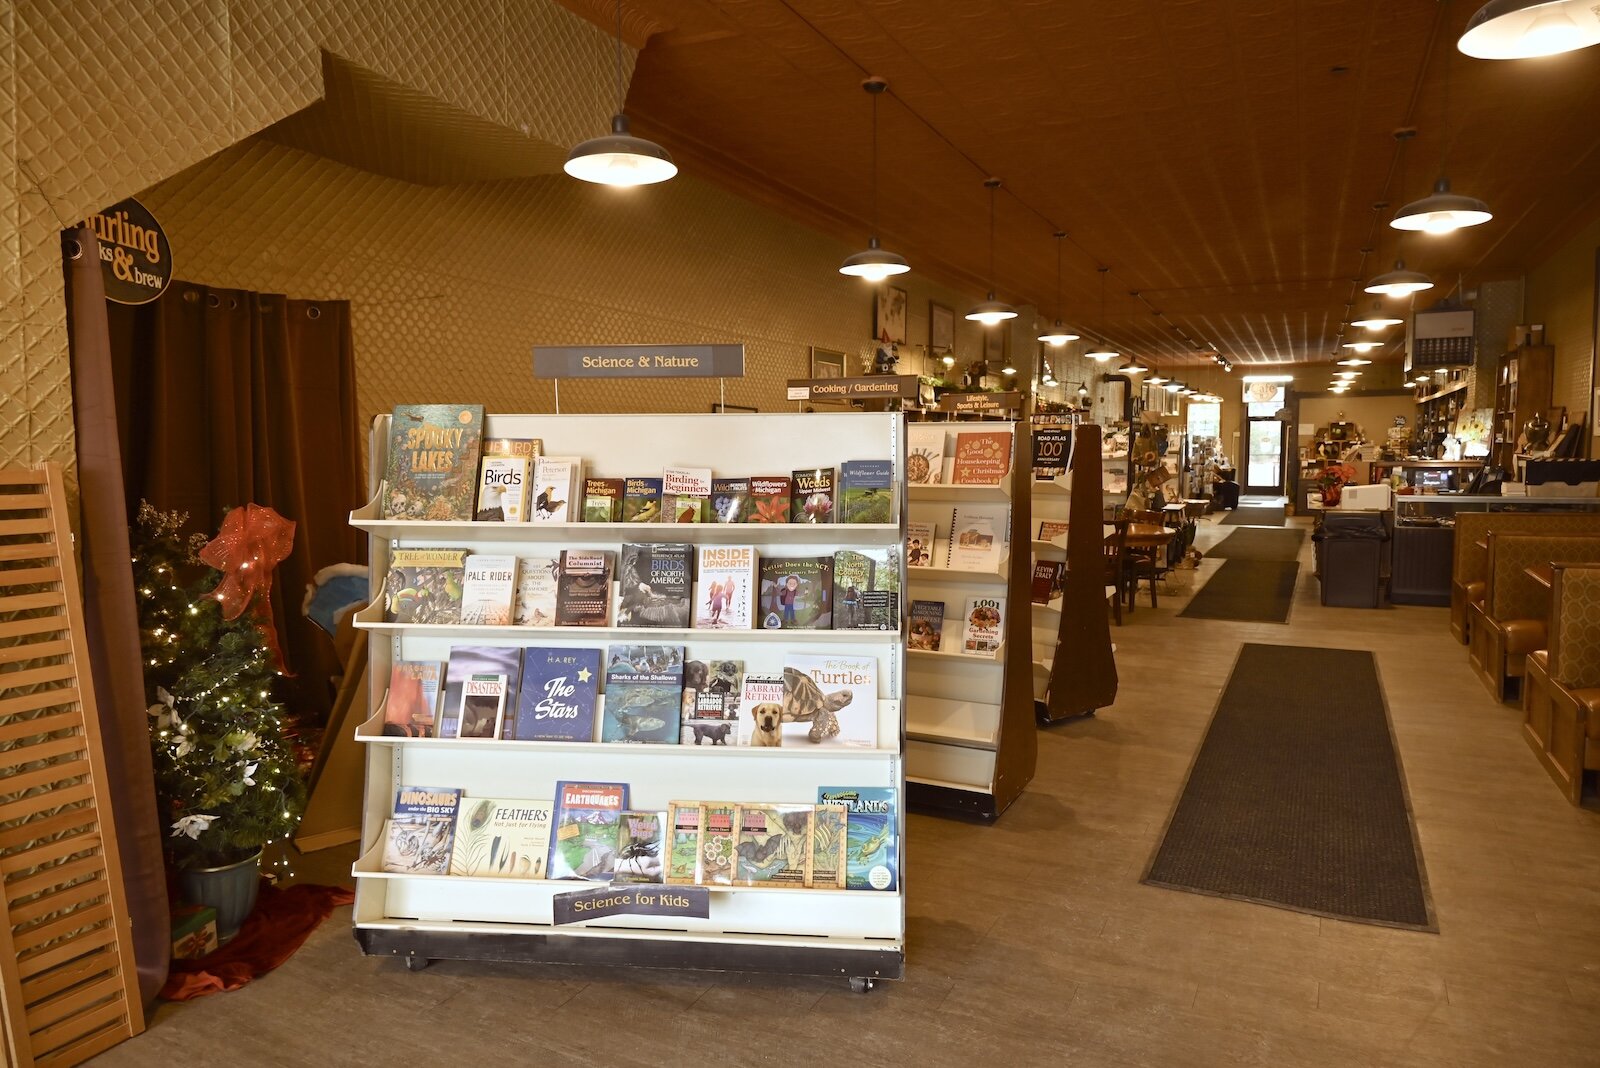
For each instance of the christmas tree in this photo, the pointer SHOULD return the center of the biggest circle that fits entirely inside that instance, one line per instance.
(226, 779)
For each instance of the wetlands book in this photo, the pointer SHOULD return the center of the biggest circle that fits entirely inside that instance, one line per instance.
(502, 838)
(811, 497)
(730, 499)
(796, 592)
(871, 849)
(557, 696)
(583, 588)
(925, 454)
(727, 585)
(770, 498)
(827, 847)
(641, 842)
(983, 457)
(424, 586)
(503, 490)
(467, 661)
(927, 626)
(535, 604)
(830, 700)
(583, 843)
(866, 590)
(413, 701)
(641, 500)
(602, 499)
(432, 468)
(864, 491)
(644, 694)
(488, 588)
(654, 585)
(683, 842)
(774, 845)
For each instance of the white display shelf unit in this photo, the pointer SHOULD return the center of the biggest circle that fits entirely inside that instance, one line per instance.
(969, 718)
(1052, 502)
(855, 934)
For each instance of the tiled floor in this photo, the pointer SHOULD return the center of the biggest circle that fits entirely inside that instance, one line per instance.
(1031, 942)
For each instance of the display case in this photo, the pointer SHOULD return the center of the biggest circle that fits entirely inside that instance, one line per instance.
(1523, 387)
(1424, 538)
(1427, 476)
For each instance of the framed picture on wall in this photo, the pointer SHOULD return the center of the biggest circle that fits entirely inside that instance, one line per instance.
(941, 329)
(889, 314)
(995, 340)
(826, 363)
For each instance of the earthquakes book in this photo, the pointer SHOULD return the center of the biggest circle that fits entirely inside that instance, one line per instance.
(583, 843)
(432, 464)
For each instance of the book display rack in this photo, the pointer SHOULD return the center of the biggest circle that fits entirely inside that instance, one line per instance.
(821, 929)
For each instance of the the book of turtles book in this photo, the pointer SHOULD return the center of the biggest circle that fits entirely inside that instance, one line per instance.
(871, 840)
(770, 498)
(432, 468)
(827, 847)
(796, 592)
(535, 604)
(602, 499)
(641, 845)
(424, 586)
(866, 590)
(683, 841)
(830, 700)
(641, 500)
(925, 454)
(503, 490)
(864, 491)
(719, 833)
(502, 838)
(774, 845)
(811, 497)
(727, 586)
(654, 585)
(927, 626)
(488, 588)
(583, 588)
(583, 842)
(465, 662)
(644, 694)
(557, 697)
(730, 499)
(417, 840)
(413, 702)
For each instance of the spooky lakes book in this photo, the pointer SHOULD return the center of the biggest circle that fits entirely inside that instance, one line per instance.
(432, 469)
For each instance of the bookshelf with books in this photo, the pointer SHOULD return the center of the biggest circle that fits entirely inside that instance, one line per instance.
(970, 746)
(678, 602)
(1052, 499)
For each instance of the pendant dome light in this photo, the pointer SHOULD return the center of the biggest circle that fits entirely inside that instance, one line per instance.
(1058, 335)
(1527, 29)
(875, 263)
(1101, 351)
(991, 311)
(1132, 367)
(1399, 282)
(1174, 386)
(1354, 361)
(1363, 346)
(1377, 320)
(1156, 380)
(620, 159)
(1444, 212)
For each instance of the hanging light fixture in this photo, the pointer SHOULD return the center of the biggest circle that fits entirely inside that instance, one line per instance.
(1443, 212)
(1058, 335)
(1100, 352)
(1156, 380)
(619, 158)
(1132, 367)
(1399, 282)
(991, 311)
(1354, 361)
(1527, 29)
(1377, 320)
(1346, 376)
(1174, 386)
(949, 361)
(1363, 346)
(1008, 369)
(875, 264)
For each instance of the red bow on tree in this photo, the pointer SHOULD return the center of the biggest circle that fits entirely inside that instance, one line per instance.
(252, 542)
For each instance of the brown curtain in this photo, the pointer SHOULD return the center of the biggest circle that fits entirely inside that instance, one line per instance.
(228, 397)
(111, 623)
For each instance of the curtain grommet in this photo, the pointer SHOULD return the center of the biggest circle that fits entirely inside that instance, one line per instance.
(313, 312)
(213, 301)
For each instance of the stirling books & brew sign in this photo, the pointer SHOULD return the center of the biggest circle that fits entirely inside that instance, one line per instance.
(135, 258)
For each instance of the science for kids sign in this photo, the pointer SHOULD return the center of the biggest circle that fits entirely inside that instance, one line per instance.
(135, 258)
(693, 902)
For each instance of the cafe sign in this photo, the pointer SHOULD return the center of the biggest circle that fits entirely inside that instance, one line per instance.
(638, 361)
(135, 258)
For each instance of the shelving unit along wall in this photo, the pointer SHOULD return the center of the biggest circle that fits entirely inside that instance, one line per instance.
(857, 934)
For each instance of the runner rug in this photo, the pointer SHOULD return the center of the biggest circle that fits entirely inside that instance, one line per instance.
(1270, 515)
(1246, 591)
(1260, 543)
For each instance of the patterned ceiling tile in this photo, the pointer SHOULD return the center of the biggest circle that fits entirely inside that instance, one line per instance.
(277, 65)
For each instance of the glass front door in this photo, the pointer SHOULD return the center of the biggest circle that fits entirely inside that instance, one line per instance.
(1264, 458)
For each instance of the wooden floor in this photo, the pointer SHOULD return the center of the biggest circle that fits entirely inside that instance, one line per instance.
(1032, 942)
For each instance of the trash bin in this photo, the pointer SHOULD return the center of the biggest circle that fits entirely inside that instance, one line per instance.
(1350, 558)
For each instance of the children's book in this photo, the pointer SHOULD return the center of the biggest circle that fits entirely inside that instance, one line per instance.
(502, 838)
(424, 586)
(503, 490)
(927, 625)
(1046, 580)
(583, 588)
(654, 584)
(557, 489)
(982, 625)
(774, 845)
(557, 696)
(811, 497)
(866, 590)
(796, 592)
(684, 819)
(719, 833)
(644, 694)
(535, 604)
(761, 710)
(710, 708)
(483, 706)
(830, 700)
(730, 499)
(583, 843)
(865, 491)
(527, 448)
(467, 661)
(413, 701)
(641, 845)
(871, 845)
(978, 536)
(982, 457)
(828, 840)
(417, 841)
(602, 500)
(641, 500)
(726, 588)
(919, 544)
(770, 497)
(925, 454)
(488, 588)
(432, 468)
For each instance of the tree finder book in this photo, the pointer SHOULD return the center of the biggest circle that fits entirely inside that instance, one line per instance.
(828, 840)
(982, 457)
(654, 585)
(583, 843)
(535, 604)
(730, 499)
(872, 848)
(774, 845)
(557, 697)
(726, 588)
(602, 499)
(830, 700)
(641, 500)
(770, 498)
(413, 701)
(865, 491)
(796, 592)
(866, 590)
(927, 626)
(502, 838)
(488, 588)
(683, 842)
(644, 694)
(503, 490)
(424, 586)
(432, 467)
(583, 588)
(641, 848)
(465, 662)
(811, 497)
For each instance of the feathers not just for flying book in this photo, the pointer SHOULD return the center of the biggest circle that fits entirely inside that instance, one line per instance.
(488, 588)
(654, 585)
(502, 838)
(583, 843)
(413, 701)
(432, 466)
(871, 849)
(557, 697)
(424, 586)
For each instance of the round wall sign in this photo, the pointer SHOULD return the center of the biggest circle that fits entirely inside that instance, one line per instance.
(135, 258)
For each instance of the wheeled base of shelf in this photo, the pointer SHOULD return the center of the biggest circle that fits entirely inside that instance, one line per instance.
(1042, 712)
(944, 800)
(418, 948)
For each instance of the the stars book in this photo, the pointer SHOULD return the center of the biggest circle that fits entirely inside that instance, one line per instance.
(557, 697)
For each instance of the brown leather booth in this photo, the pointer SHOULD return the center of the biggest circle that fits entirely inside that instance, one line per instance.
(1513, 618)
(1561, 691)
(1468, 566)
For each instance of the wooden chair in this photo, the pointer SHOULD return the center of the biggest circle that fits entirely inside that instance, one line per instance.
(1513, 619)
(1145, 563)
(1114, 548)
(1468, 567)
(1561, 690)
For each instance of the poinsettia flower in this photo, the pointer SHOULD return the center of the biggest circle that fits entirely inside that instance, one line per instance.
(244, 741)
(250, 770)
(184, 747)
(193, 826)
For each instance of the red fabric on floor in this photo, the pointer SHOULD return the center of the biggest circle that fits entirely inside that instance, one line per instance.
(281, 923)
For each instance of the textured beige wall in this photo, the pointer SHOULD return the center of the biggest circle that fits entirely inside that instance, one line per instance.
(1561, 295)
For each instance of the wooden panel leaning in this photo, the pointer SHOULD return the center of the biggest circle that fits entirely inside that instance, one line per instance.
(1467, 569)
(68, 989)
(1561, 690)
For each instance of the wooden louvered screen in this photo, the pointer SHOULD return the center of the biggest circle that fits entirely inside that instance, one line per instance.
(67, 981)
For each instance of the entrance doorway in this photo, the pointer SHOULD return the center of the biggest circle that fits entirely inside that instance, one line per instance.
(1263, 469)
